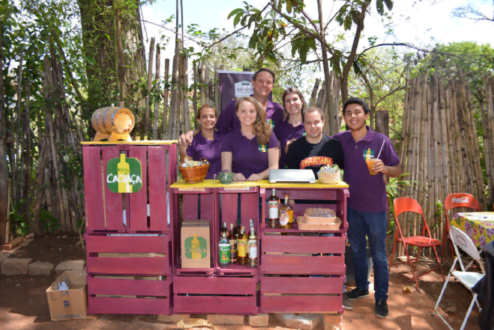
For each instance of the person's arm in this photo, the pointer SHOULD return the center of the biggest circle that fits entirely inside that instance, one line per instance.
(187, 138)
(291, 159)
(226, 165)
(182, 149)
(273, 165)
(391, 171)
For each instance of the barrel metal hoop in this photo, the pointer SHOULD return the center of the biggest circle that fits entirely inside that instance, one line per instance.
(104, 116)
(112, 122)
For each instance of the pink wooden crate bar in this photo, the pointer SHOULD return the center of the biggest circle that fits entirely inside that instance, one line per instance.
(149, 296)
(122, 265)
(105, 209)
(280, 255)
(301, 294)
(215, 295)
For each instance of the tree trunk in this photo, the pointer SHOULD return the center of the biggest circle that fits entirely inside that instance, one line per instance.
(4, 170)
(104, 67)
(332, 126)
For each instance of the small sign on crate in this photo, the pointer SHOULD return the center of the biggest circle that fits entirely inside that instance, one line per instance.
(124, 175)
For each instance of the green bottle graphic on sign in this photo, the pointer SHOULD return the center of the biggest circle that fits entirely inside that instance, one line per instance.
(195, 247)
(124, 175)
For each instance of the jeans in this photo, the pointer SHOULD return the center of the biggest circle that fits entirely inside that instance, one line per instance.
(373, 225)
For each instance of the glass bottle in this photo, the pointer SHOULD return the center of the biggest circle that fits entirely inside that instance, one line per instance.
(233, 246)
(224, 229)
(273, 208)
(242, 247)
(224, 250)
(252, 244)
(286, 214)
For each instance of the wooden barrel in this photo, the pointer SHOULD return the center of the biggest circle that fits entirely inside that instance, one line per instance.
(113, 120)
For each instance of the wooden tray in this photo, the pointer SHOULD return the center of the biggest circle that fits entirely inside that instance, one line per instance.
(303, 225)
(312, 216)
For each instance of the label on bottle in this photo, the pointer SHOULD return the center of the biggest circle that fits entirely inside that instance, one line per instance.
(290, 216)
(273, 209)
(252, 249)
(233, 251)
(242, 248)
(224, 253)
(284, 217)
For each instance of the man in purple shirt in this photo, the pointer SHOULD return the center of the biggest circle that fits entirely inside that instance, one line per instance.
(262, 83)
(367, 204)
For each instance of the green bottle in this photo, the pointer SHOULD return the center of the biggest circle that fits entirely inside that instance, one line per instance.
(224, 250)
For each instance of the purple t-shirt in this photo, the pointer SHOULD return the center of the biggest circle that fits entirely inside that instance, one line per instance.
(228, 120)
(284, 132)
(367, 192)
(211, 150)
(248, 156)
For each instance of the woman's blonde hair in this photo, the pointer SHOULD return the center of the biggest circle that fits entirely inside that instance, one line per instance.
(260, 127)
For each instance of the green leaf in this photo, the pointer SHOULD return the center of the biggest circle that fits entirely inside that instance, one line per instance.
(389, 4)
(380, 7)
(348, 23)
(89, 59)
(234, 12)
(289, 6)
(236, 19)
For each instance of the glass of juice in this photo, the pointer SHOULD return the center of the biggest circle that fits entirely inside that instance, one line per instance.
(370, 162)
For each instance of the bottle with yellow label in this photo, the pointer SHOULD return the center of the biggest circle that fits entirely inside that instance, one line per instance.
(242, 247)
(123, 173)
(194, 246)
(286, 214)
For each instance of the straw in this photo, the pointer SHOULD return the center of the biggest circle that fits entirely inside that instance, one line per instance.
(382, 145)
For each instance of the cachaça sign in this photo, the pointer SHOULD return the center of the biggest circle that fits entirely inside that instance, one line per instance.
(124, 175)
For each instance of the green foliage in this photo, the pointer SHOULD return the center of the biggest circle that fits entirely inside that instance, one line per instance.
(48, 222)
(18, 220)
(393, 188)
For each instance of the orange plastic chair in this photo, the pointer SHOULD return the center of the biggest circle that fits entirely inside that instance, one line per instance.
(407, 204)
(454, 201)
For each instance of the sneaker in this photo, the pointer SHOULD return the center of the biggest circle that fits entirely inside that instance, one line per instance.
(381, 309)
(357, 294)
(347, 304)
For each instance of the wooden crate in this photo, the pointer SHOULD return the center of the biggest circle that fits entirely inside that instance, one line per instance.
(337, 196)
(104, 209)
(301, 294)
(128, 255)
(214, 295)
(128, 295)
(297, 255)
(196, 204)
(228, 212)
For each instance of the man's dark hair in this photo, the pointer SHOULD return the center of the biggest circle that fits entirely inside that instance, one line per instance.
(264, 70)
(356, 100)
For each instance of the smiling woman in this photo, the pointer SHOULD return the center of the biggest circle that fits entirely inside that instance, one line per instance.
(205, 144)
(252, 150)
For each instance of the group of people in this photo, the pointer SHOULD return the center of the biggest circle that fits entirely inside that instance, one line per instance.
(253, 135)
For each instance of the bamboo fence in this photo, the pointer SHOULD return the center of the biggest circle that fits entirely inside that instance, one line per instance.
(488, 135)
(440, 149)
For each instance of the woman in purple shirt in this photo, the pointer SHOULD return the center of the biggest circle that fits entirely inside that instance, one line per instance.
(207, 143)
(292, 127)
(252, 150)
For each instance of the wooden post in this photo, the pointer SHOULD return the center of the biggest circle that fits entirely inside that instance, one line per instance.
(157, 104)
(194, 95)
(313, 95)
(149, 84)
(165, 100)
(382, 122)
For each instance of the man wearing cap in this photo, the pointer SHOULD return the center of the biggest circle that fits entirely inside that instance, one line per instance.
(367, 205)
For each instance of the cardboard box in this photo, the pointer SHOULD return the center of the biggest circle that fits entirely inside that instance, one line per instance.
(72, 303)
(195, 244)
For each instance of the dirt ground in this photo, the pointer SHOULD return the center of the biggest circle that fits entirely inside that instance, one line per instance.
(23, 302)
